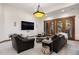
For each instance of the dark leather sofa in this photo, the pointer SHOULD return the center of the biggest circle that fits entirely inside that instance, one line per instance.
(21, 44)
(59, 42)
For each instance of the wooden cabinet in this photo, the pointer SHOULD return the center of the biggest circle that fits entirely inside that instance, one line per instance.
(66, 24)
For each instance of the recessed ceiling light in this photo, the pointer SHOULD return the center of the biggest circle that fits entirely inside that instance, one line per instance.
(62, 10)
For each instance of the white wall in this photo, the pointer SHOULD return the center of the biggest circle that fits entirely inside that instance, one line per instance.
(68, 12)
(9, 15)
(1, 23)
(12, 15)
(40, 25)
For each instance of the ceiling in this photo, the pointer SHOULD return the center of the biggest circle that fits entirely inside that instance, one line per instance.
(46, 7)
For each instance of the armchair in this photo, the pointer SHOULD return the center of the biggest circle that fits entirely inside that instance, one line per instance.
(21, 44)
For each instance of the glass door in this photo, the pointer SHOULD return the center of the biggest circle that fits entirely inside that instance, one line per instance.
(69, 27)
(66, 25)
(52, 27)
(59, 25)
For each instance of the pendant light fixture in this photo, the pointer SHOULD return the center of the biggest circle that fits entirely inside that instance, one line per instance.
(39, 13)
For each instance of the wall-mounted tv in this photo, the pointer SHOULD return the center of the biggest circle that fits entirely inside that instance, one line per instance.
(27, 25)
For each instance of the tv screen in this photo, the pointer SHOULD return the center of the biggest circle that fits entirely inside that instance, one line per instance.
(27, 25)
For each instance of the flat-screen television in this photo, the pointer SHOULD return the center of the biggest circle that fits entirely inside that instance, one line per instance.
(27, 25)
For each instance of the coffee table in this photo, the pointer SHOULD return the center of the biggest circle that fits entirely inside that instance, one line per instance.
(39, 39)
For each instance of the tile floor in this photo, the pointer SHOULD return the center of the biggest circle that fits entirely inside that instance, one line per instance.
(72, 48)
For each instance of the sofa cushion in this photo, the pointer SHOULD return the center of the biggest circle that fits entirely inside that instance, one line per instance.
(20, 37)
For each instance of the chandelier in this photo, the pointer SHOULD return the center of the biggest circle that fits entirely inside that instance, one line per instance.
(39, 13)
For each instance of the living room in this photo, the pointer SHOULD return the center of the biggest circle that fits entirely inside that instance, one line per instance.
(13, 14)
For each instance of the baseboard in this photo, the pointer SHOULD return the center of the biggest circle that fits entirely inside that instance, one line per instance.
(4, 41)
(76, 40)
